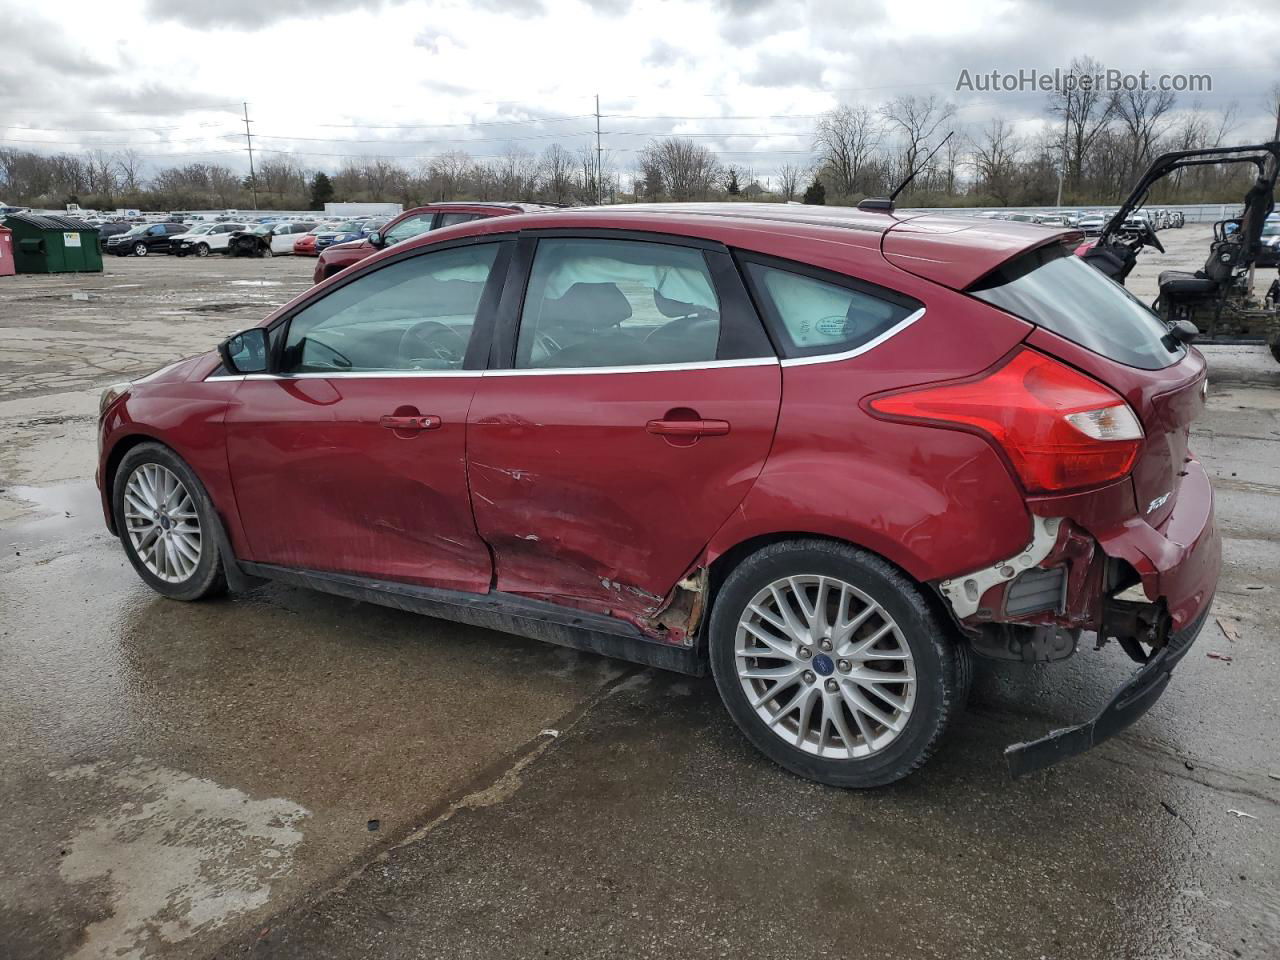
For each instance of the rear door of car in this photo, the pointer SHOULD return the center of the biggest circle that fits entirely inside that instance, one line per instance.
(351, 456)
(631, 403)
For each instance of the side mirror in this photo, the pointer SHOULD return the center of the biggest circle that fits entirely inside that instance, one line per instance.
(245, 352)
(1183, 331)
(376, 239)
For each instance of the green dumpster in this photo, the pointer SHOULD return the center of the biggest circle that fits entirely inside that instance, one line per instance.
(53, 244)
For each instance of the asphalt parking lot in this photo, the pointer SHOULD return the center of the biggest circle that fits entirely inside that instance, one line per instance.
(286, 774)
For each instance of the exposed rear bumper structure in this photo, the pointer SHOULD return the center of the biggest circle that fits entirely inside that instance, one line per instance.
(1179, 564)
(1130, 702)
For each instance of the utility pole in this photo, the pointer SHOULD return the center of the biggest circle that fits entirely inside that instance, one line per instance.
(253, 179)
(1062, 170)
(599, 162)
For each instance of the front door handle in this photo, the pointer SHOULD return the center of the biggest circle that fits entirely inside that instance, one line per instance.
(410, 423)
(688, 428)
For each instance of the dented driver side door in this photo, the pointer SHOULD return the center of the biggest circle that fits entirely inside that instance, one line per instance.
(632, 406)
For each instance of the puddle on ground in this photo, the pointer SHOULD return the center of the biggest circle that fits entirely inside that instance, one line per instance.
(64, 509)
(180, 854)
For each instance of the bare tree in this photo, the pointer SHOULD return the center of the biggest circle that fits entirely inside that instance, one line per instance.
(557, 173)
(995, 160)
(790, 176)
(688, 170)
(129, 163)
(916, 120)
(846, 139)
(1085, 111)
(1144, 114)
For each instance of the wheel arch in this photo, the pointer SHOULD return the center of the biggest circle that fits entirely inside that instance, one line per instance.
(726, 558)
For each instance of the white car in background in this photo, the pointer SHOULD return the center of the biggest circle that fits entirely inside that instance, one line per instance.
(203, 239)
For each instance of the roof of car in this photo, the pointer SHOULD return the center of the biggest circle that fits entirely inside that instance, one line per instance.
(946, 248)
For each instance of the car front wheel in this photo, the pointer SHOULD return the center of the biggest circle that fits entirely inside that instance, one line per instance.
(265, 252)
(202, 249)
(166, 523)
(834, 664)
(139, 249)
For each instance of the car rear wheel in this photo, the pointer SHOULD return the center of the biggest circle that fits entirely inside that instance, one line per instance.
(202, 249)
(166, 523)
(139, 249)
(834, 664)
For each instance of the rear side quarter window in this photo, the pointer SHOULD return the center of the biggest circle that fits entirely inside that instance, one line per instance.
(812, 313)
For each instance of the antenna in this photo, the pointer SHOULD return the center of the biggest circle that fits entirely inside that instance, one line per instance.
(912, 175)
(885, 204)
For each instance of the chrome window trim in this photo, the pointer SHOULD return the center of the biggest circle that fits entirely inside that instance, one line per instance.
(539, 372)
(871, 344)
(636, 368)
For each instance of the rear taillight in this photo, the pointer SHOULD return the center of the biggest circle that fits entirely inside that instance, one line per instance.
(1060, 429)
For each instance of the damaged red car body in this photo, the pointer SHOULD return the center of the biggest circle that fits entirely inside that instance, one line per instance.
(831, 454)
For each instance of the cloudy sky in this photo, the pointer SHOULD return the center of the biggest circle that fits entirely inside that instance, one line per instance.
(330, 79)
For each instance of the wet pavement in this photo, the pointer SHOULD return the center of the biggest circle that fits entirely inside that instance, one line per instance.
(285, 774)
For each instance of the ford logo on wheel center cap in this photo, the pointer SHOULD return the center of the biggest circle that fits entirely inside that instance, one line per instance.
(824, 665)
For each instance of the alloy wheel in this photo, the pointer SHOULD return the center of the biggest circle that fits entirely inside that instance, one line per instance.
(162, 523)
(825, 667)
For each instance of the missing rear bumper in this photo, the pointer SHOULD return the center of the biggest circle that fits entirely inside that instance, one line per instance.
(1130, 702)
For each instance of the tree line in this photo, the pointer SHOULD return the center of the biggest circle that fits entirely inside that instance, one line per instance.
(1094, 147)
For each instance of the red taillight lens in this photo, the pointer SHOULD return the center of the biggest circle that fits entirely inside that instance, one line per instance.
(1060, 429)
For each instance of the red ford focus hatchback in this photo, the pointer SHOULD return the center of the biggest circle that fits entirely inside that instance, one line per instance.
(832, 455)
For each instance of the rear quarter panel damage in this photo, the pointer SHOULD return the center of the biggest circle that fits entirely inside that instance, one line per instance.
(935, 502)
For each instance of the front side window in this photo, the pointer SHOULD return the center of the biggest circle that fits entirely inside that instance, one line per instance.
(414, 314)
(814, 317)
(408, 228)
(616, 303)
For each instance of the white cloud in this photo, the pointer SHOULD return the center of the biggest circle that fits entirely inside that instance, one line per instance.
(412, 78)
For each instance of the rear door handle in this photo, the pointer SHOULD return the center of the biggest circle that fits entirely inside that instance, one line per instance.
(410, 423)
(688, 428)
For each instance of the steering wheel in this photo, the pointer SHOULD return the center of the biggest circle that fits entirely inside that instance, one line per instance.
(439, 341)
(1152, 238)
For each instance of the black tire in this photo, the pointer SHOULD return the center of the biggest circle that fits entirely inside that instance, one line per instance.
(942, 668)
(266, 251)
(202, 249)
(140, 250)
(208, 578)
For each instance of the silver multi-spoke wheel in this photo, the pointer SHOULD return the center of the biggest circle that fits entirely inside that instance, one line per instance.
(825, 667)
(162, 523)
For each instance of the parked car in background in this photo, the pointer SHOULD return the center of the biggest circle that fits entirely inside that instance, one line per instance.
(267, 239)
(408, 225)
(144, 239)
(204, 239)
(348, 230)
(1091, 224)
(1269, 255)
(305, 245)
(830, 454)
(112, 228)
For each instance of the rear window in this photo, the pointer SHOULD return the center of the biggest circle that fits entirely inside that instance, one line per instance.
(1057, 290)
(812, 317)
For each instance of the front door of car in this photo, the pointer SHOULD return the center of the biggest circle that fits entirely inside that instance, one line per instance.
(350, 456)
(636, 407)
(282, 239)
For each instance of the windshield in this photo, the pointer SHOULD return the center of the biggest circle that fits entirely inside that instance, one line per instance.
(202, 229)
(1271, 228)
(1060, 292)
(263, 229)
(138, 230)
(351, 226)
